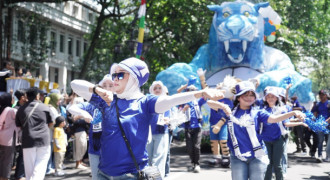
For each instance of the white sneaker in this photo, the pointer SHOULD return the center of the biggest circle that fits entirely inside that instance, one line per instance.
(51, 171)
(81, 167)
(197, 169)
(59, 173)
(319, 159)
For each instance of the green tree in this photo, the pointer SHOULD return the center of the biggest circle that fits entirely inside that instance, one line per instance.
(304, 35)
(174, 32)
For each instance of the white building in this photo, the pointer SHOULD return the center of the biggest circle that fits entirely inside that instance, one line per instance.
(69, 22)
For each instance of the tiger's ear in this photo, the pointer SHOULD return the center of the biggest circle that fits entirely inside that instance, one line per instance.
(215, 8)
(261, 5)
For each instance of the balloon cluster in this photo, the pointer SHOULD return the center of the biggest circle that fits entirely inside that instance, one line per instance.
(317, 125)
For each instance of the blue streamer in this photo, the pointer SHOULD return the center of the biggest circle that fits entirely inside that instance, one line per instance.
(316, 124)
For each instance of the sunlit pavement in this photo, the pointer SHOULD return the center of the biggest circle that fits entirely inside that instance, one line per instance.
(301, 166)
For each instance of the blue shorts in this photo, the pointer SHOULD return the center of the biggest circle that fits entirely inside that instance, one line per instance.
(222, 135)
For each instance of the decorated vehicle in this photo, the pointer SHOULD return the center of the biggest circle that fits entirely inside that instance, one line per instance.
(236, 47)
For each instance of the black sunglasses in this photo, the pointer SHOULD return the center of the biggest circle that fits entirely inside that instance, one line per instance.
(119, 75)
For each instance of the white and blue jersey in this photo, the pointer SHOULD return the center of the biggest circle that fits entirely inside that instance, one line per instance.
(91, 110)
(194, 119)
(242, 135)
(159, 129)
(135, 116)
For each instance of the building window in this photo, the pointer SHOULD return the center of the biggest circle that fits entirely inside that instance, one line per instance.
(67, 7)
(33, 35)
(75, 11)
(70, 40)
(56, 75)
(78, 48)
(20, 31)
(90, 17)
(53, 42)
(62, 43)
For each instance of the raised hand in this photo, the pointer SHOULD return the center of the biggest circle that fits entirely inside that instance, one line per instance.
(218, 105)
(107, 96)
(213, 94)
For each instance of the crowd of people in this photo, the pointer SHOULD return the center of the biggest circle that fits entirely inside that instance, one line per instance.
(124, 131)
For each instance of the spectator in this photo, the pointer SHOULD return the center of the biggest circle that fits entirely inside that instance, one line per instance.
(60, 143)
(54, 110)
(19, 72)
(34, 118)
(8, 135)
(19, 170)
(79, 129)
(7, 71)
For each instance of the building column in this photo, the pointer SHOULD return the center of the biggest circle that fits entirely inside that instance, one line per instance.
(63, 77)
(44, 71)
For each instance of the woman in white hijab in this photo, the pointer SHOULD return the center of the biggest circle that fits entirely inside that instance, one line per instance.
(158, 146)
(130, 112)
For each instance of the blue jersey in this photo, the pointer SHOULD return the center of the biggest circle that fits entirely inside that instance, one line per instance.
(135, 116)
(242, 135)
(271, 131)
(322, 109)
(95, 113)
(159, 129)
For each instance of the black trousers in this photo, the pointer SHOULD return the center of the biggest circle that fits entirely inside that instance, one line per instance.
(312, 147)
(299, 138)
(193, 143)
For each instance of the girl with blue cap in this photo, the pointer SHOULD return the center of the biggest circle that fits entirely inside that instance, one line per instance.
(133, 110)
(248, 152)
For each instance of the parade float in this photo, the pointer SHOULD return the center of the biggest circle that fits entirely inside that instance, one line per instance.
(236, 47)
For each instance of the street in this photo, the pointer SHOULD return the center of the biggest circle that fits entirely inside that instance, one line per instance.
(301, 166)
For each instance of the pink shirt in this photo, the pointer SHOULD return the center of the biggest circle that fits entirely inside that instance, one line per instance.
(8, 126)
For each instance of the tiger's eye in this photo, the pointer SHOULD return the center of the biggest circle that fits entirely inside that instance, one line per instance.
(225, 15)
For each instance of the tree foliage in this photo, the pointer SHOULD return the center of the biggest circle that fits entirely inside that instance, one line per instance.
(304, 36)
(176, 29)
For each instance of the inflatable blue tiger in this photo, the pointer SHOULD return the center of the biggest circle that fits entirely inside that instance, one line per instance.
(236, 47)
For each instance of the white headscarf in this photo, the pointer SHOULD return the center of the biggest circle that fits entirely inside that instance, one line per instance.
(164, 88)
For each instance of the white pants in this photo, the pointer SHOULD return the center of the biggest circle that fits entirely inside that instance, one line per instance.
(80, 145)
(35, 162)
